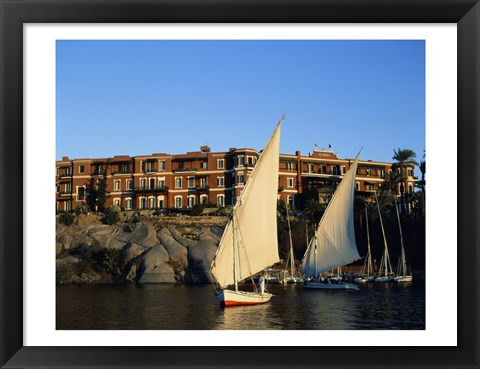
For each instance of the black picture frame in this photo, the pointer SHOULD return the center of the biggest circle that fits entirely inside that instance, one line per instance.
(14, 13)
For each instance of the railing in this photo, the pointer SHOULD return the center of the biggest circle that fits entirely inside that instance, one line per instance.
(151, 189)
(184, 170)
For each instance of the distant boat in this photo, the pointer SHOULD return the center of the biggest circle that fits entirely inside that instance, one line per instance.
(366, 274)
(403, 273)
(292, 276)
(385, 272)
(334, 244)
(249, 242)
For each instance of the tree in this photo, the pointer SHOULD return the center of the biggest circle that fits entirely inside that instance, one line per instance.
(404, 158)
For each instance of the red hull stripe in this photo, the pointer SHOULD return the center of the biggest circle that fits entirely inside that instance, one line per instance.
(238, 303)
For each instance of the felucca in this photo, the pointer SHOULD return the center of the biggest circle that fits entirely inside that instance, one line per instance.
(366, 274)
(334, 244)
(385, 272)
(403, 273)
(249, 242)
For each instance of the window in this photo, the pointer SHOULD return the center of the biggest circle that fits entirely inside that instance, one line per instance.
(161, 202)
(161, 182)
(204, 165)
(240, 161)
(357, 186)
(116, 202)
(81, 169)
(310, 168)
(335, 170)
(291, 202)
(68, 206)
(128, 203)
(221, 200)
(410, 188)
(116, 185)
(151, 202)
(128, 184)
(203, 199)
(220, 181)
(203, 182)
(178, 182)
(410, 172)
(240, 178)
(178, 201)
(289, 166)
(324, 169)
(149, 166)
(80, 193)
(68, 188)
(152, 183)
(220, 164)
(250, 161)
(161, 164)
(190, 201)
(289, 182)
(191, 182)
(143, 203)
(344, 170)
(368, 172)
(124, 168)
(143, 183)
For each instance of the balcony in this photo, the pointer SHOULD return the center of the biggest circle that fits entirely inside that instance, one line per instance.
(184, 170)
(151, 189)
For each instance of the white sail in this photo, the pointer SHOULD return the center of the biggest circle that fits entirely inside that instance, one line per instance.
(335, 234)
(255, 221)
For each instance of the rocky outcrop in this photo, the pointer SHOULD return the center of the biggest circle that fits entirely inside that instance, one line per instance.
(151, 252)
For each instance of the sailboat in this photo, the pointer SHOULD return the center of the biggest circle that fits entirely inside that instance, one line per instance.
(366, 274)
(292, 278)
(385, 272)
(334, 244)
(249, 242)
(403, 273)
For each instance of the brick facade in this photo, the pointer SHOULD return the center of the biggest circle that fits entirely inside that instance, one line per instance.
(184, 180)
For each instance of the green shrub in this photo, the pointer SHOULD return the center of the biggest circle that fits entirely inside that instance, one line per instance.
(111, 215)
(66, 219)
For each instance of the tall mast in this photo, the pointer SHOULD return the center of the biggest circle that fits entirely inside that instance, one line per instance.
(402, 252)
(234, 255)
(385, 256)
(369, 255)
(292, 260)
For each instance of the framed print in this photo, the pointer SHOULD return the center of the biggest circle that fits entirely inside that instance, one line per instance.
(50, 43)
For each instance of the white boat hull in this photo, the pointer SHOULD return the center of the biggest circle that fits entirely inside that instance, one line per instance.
(384, 279)
(364, 280)
(292, 280)
(404, 279)
(330, 286)
(236, 298)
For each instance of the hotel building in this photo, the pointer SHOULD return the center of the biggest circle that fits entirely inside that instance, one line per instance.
(184, 180)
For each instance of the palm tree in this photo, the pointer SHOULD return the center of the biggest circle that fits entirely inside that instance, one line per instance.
(404, 158)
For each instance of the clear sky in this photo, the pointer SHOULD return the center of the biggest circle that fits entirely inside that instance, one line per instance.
(144, 97)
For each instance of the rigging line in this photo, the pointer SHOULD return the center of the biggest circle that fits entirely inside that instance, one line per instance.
(246, 255)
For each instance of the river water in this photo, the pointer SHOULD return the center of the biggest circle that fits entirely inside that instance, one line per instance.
(183, 307)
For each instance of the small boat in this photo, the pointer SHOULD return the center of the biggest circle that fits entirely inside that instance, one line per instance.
(292, 277)
(249, 242)
(334, 244)
(385, 272)
(272, 275)
(403, 273)
(366, 274)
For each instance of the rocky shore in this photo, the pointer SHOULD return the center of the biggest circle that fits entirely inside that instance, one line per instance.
(144, 249)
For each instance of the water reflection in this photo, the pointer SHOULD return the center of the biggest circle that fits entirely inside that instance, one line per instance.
(376, 306)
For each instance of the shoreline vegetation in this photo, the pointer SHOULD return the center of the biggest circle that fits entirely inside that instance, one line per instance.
(145, 246)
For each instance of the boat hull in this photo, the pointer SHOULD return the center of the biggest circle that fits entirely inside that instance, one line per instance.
(384, 279)
(404, 279)
(238, 298)
(330, 286)
(292, 280)
(364, 280)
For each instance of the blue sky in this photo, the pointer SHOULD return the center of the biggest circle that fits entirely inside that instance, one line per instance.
(144, 97)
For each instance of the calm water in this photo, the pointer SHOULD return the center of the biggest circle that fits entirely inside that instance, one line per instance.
(155, 306)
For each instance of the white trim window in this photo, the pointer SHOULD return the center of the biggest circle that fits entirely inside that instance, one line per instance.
(161, 182)
(344, 169)
(190, 201)
(288, 165)
(143, 202)
(151, 202)
(220, 181)
(129, 184)
(220, 163)
(178, 201)
(116, 185)
(117, 201)
(81, 192)
(161, 202)
(203, 199)
(143, 183)
(190, 182)
(240, 161)
(128, 203)
(357, 186)
(178, 182)
(289, 182)
(161, 165)
(151, 183)
(240, 178)
(221, 200)
(310, 168)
